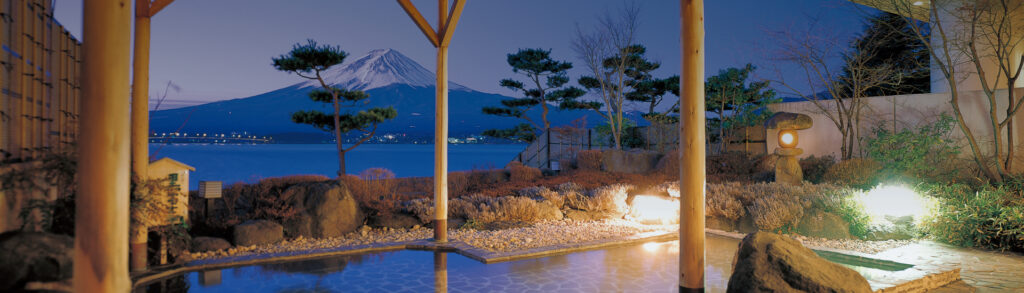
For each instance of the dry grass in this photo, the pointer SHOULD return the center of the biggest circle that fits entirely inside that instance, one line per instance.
(610, 198)
(589, 160)
(859, 173)
(519, 173)
(376, 190)
(723, 201)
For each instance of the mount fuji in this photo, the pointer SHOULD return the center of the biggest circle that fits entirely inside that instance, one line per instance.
(390, 79)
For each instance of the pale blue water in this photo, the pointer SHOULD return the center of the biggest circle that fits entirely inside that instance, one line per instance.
(232, 163)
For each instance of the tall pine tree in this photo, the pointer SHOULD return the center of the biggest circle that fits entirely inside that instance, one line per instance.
(545, 83)
(890, 41)
(309, 61)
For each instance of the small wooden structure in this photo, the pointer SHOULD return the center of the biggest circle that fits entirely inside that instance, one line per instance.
(176, 174)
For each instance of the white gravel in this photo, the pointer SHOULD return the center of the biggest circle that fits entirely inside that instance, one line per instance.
(543, 234)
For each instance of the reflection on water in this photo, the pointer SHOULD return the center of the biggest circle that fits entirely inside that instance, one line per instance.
(650, 267)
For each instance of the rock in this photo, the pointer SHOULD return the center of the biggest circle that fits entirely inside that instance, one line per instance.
(787, 120)
(456, 223)
(257, 232)
(767, 262)
(635, 162)
(788, 171)
(824, 225)
(416, 227)
(203, 244)
(394, 221)
(326, 209)
(34, 257)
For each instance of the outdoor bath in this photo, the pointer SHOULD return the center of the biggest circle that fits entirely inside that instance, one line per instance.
(638, 267)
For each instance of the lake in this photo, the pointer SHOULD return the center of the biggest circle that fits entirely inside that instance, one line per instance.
(232, 163)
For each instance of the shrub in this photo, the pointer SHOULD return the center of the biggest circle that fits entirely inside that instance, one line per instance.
(458, 183)
(722, 201)
(589, 160)
(519, 173)
(857, 173)
(733, 166)
(375, 189)
(921, 153)
(485, 210)
(992, 217)
(814, 168)
(422, 208)
(610, 198)
(776, 211)
(669, 163)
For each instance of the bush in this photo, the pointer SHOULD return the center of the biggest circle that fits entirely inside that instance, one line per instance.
(734, 166)
(589, 160)
(519, 173)
(723, 201)
(458, 183)
(375, 190)
(776, 211)
(610, 198)
(992, 217)
(921, 153)
(486, 210)
(814, 168)
(858, 173)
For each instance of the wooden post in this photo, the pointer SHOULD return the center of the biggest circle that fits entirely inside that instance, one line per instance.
(547, 142)
(101, 217)
(140, 123)
(691, 148)
(440, 38)
(441, 134)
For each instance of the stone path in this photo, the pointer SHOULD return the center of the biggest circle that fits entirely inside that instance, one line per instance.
(987, 271)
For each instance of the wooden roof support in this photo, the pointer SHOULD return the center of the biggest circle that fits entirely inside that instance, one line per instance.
(451, 22)
(420, 22)
(691, 147)
(158, 5)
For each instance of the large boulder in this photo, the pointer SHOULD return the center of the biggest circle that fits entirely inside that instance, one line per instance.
(326, 209)
(824, 225)
(635, 162)
(257, 232)
(33, 257)
(767, 262)
(204, 244)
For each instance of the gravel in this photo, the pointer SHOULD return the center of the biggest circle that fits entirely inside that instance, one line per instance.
(543, 234)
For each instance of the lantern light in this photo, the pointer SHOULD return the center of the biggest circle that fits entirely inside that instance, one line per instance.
(788, 138)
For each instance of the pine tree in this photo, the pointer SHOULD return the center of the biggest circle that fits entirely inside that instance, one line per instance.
(736, 101)
(890, 41)
(309, 61)
(546, 78)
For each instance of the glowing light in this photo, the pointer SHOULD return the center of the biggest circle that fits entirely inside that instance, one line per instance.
(651, 209)
(894, 201)
(651, 246)
(787, 138)
(918, 3)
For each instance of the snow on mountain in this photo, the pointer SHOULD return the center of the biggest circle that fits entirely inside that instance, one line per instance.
(380, 68)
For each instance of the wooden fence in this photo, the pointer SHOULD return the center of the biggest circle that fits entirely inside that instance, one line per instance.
(563, 143)
(39, 81)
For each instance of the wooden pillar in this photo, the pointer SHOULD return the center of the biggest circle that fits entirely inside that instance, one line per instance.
(101, 217)
(140, 122)
(441, 133)
(691, 148)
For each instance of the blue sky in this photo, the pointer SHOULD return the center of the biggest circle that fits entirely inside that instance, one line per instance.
(221, 49)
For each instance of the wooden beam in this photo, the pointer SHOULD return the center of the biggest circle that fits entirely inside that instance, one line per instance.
(140, 123)
(157, 5)
(691, 147)
(451, 22)
(420, 21)
(101, 207)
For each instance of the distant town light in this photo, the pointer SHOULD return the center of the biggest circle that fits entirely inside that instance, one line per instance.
(918, 3)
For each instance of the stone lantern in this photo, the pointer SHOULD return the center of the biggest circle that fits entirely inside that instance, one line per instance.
(787, 167)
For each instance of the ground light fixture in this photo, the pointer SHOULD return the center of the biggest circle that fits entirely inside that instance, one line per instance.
(788, 138)
(893, 201)
(654, 209)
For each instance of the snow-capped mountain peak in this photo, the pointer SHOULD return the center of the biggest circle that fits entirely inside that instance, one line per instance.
(379, 68)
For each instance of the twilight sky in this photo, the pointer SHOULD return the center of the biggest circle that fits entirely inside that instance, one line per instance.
(221, 49)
